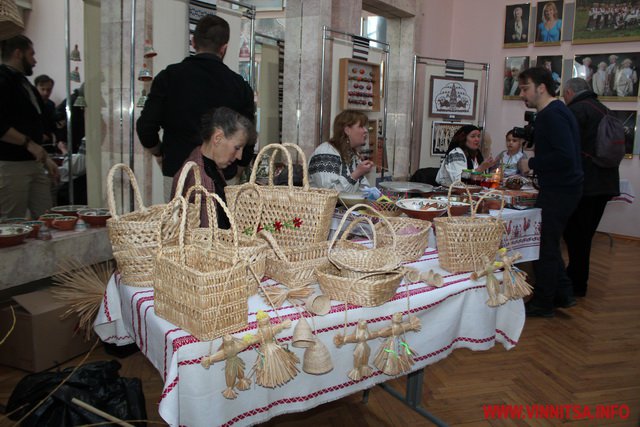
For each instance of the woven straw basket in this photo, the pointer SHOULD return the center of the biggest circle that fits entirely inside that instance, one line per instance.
(11, 23)
(368, 290)
(250, 248)
(462, 241)
(357, 261)
(202, 291)
(135, 236)
(388, 209)
(409, 247)
(312, 207)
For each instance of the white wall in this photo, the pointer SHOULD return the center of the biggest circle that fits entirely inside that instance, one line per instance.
(476, 34)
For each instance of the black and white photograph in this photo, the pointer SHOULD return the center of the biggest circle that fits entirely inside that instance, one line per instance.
(441, 134)
(453, 98)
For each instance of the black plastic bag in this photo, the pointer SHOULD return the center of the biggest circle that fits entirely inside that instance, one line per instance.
(97, 384)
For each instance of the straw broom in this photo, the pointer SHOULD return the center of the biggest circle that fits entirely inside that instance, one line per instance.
(82, 288)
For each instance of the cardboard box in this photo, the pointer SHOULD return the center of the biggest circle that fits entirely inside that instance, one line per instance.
(40, 339)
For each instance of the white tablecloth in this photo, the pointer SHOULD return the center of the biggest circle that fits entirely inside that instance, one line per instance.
(522, 226)
(454, 316)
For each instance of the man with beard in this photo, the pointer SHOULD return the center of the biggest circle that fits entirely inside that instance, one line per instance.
(24, 185)
(558, 166)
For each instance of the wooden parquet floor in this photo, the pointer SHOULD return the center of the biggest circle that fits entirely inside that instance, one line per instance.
(586, 355)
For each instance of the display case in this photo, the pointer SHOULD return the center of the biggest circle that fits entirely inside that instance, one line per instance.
(359, 85)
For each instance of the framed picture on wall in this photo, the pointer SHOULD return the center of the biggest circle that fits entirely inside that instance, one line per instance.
(554, 65)
(596, 21)
(613, 77)
(516, 25)
(453, 98)
(549, 23)
(513, 65)
(441, 134)
(628, 119)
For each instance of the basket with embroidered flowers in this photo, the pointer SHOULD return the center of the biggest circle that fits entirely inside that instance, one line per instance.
(135, 235)
(310, 209)
(201, 290)
(464, 240)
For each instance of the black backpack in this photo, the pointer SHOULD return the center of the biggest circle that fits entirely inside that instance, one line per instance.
(610, 140)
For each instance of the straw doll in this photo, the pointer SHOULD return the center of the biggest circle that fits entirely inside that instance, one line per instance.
(514, 279)
(394, 356)
(493, 284)
(234, 366)
(275, 365)
(362, 351)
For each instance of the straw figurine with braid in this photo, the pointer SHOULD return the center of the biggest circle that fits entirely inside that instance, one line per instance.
(234, 366)
(496, 298)
(362, 351)
(395, 356)
(430, 277)
(275, 365)
(513, 279)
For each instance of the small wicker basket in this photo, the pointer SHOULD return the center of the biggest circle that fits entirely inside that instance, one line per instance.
(463, 241)
(368, 290)
(203, 291)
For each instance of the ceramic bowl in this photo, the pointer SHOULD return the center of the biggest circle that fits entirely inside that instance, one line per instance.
(13, 221)
(69, 210)
(48, 218)
(350, 199)
(13, 234)
(420, 208)
(64, 223)
(36, 225)
(95, 217)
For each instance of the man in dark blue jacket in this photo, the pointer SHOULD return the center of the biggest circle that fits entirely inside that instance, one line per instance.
(183, 92)
(600, 184)
(557, 164)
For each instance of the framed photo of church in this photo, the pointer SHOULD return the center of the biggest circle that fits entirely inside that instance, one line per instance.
(453, 98)
(516, 25)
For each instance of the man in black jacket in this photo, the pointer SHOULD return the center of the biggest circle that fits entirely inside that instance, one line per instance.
(183, 92)
(557, 164)
(24, 185)
(600, 184)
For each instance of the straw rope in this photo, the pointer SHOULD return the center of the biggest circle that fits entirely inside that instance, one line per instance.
(12, 327)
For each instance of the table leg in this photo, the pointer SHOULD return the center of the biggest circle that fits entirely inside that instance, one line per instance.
(413, 396)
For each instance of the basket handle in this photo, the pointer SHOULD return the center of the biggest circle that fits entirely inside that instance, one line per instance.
(489, 193)
(305, 165)
(171, 209)
(463, 185)
(274, 244)
(357, 221)
(210, 198)
(249, 186)
(212, 214)
(134, 184)
(266, 149)
(184, 173)
(367, 207)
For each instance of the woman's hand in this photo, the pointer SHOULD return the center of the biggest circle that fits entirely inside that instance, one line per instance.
(489, 163)
(362, 169)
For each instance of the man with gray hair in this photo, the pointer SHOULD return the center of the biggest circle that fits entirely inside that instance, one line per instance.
(600, 184)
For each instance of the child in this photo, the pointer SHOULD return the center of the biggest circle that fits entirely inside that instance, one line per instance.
(508, 159)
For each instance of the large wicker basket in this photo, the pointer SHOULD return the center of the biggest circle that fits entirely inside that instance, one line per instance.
(368, 290)
(463, 241)
(410, 246)
(303, 213)
(201, 290)
(135, 235)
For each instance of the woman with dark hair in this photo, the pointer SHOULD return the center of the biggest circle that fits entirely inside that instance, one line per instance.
(334, 164)
(224, 134)
(463, 153)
